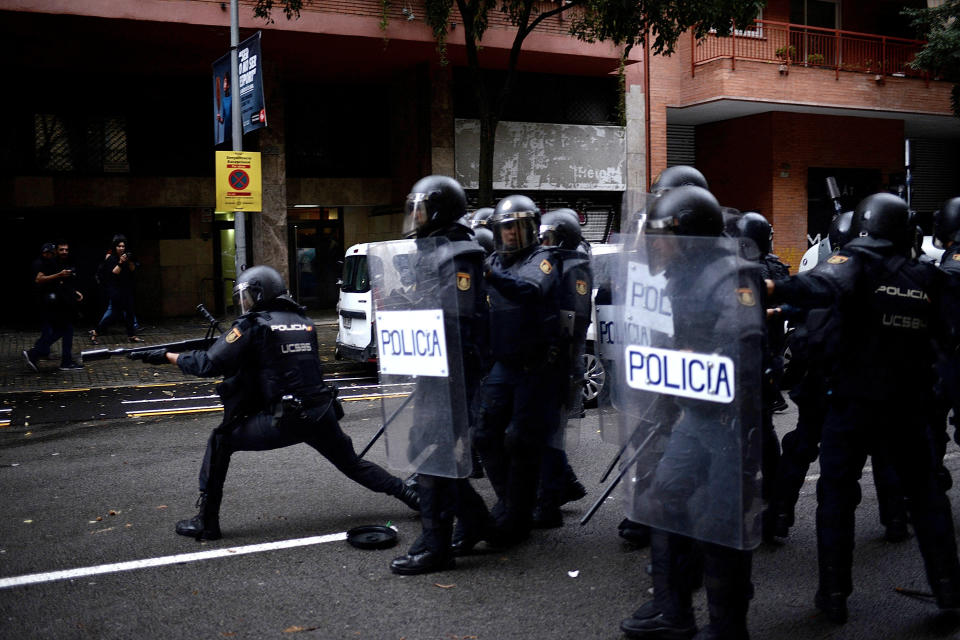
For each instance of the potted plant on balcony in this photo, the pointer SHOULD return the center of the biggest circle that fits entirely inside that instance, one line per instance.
(815, 59)
(786, 53)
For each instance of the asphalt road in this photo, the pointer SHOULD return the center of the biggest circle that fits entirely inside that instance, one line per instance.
(81, 495)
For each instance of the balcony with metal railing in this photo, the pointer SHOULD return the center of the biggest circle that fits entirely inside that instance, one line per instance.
(792, 44)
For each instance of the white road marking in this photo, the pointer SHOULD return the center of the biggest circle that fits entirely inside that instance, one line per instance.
(34, 578)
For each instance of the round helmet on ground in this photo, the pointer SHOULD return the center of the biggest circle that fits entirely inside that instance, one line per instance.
(884, 216)
(946, 224)
(756, 227)
(678, 176)
(481, 217)
(561, 228)
(841, 230)
(434, 202)
(256, 287)
(516, 224)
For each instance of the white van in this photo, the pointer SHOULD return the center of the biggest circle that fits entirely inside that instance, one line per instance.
(355, 337)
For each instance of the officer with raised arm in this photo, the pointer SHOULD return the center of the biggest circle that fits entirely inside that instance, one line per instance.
(889, 315)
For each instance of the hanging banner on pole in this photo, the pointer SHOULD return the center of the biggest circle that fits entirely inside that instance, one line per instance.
(239, 186)
(253, 113)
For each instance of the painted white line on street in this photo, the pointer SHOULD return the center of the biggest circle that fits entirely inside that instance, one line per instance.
(184, 398)
(34, 578)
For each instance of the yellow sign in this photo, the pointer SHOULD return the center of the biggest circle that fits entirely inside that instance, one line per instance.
(239, 185)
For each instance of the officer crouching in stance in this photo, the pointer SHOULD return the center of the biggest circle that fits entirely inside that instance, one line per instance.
(889, 309)
(273, 396)
(447, 248)
(521, 396)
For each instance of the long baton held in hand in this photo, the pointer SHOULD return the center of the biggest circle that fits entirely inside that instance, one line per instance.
(386, 424)
(623, 471)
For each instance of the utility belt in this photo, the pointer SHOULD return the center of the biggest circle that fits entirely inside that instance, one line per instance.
(534, 359)
(293, 406)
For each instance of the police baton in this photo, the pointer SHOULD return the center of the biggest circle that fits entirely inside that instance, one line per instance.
(623, 471)
(384, 426)
(616, 458)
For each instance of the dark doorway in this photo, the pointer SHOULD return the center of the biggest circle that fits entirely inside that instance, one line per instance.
(225, 264)
(316, 257)
(854, 185)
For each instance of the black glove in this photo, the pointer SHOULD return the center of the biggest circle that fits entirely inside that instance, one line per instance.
(150, 356)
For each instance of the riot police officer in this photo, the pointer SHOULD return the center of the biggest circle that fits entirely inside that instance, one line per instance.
(519, 398)
(888, 307)
(946, 236)
(715, 300)
(273, 394)
(560, 228)
(434, 206)
(813, 349)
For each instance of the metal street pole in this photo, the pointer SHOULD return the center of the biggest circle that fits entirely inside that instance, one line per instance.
(236, 130)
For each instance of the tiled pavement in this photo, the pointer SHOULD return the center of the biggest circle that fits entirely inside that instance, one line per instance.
(16, 377)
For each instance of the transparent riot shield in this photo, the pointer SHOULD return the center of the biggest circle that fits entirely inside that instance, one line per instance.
(688, 386)
(425, 410)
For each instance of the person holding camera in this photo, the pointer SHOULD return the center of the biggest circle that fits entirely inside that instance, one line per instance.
(116, 276)
(57, 298)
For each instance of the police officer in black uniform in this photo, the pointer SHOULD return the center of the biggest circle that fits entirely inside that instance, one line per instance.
(946, 236)
(434, 206)
(560, 228)
(702, 279)
(888, 304)
(520, 397)
(273, 394)
(813, 349)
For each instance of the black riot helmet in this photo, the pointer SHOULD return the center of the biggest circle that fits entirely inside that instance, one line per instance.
(755, 226)
(841, 230)
(481, 217)
(256, 287)
(485, 237)
(678, 176)
(561, 228)
(516, 224)
(884, 216)
(946, 224)
(685, 211)
(434, 202)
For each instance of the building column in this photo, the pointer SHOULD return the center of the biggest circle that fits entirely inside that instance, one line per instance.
(441, 120)
(636, 138)
(269, 240)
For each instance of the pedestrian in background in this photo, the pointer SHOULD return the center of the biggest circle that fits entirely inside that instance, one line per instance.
(57, 298)
(117, 279)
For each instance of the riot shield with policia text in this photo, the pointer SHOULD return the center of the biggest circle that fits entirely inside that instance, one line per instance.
(425, 419)
(688, 387)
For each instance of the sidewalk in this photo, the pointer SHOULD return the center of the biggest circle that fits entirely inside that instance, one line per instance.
(17, 377)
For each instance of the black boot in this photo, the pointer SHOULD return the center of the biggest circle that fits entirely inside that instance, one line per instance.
(635, 533)
(947, 592)
(206, 524)
(670, 614)
(831, 597)
(658, 625)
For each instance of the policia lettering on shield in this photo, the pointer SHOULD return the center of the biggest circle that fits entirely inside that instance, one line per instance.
(273, 394)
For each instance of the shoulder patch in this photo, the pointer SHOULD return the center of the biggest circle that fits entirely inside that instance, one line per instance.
(956, 257)
(837, 259)
(545, 266)
(233, 335)
(746, 298)
(463, 281)
(582, 287)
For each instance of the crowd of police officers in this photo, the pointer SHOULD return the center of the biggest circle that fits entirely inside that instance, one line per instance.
(874, 370)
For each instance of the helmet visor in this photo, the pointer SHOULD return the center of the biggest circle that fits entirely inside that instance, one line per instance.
(415, 214)
(549, 235)
(515, 232)
(243, 298)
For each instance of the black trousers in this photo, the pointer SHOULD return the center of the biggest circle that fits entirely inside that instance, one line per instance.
(317, 427)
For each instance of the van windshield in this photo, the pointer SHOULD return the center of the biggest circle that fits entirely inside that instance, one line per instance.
(355, 277)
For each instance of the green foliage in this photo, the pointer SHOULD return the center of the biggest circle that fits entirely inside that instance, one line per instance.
(264, 9)
(438, 16)
(786, 52)
(384, 18)
(940, 27)
(815, 58)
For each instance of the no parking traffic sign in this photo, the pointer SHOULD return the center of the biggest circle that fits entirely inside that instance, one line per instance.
(238, 181)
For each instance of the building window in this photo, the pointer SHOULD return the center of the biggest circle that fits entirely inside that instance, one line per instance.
(85, 144)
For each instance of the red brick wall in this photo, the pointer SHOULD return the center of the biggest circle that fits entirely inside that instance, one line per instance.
(760, 163)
